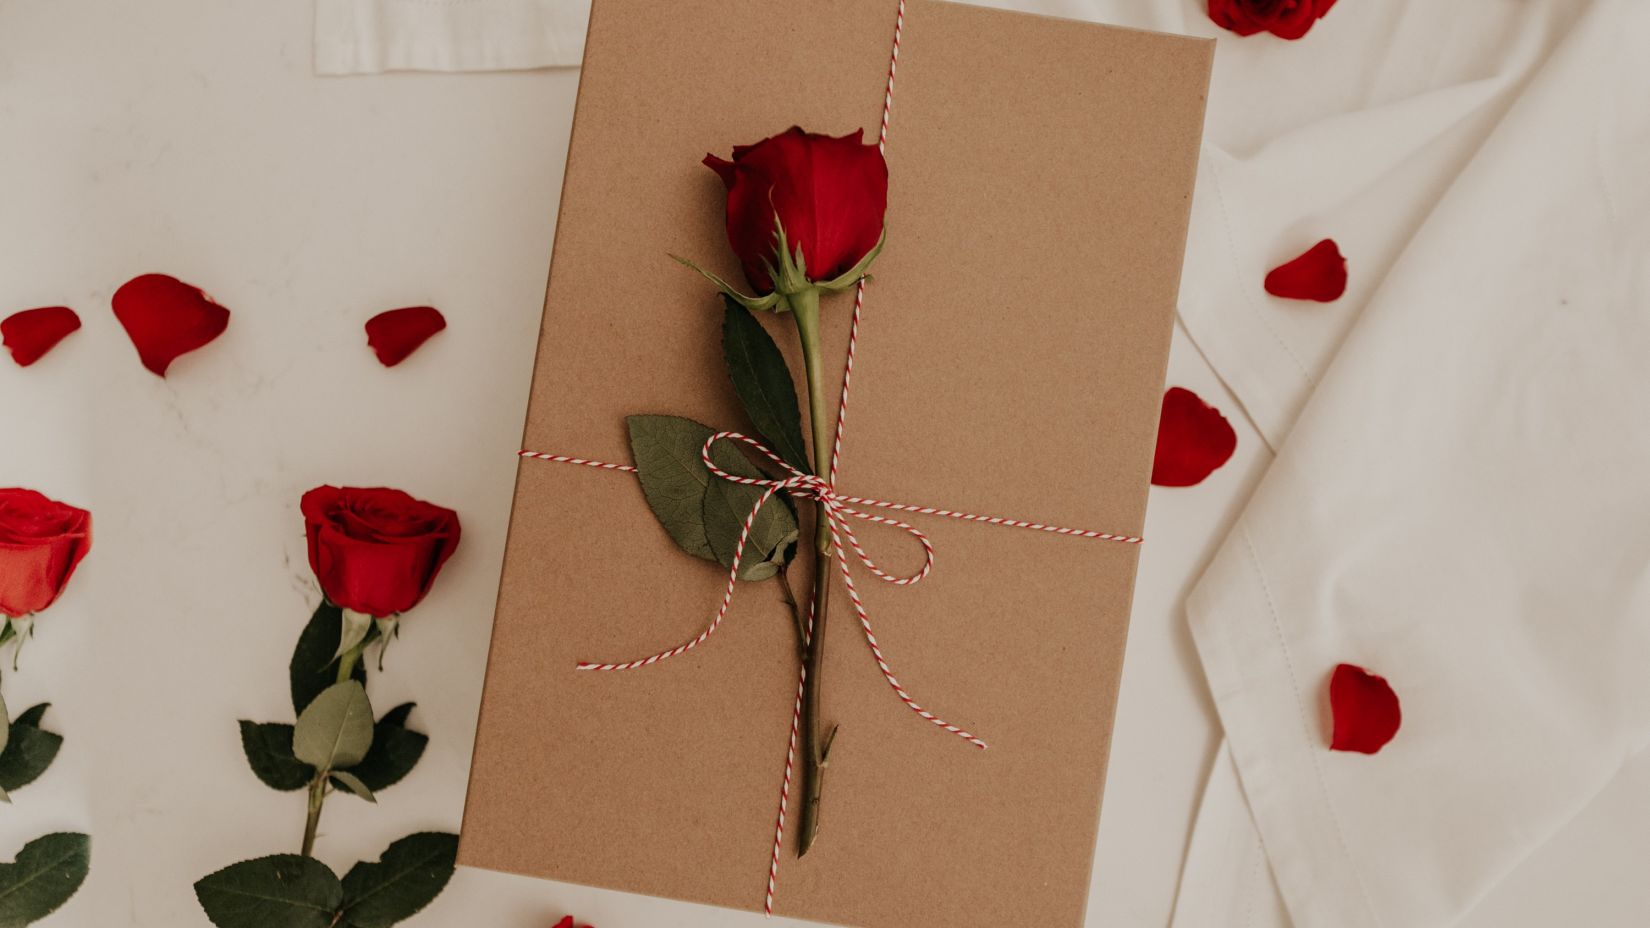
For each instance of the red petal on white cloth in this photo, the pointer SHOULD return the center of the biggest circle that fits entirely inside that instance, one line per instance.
(1365, 709)
(1193, 440)
(1319, 274)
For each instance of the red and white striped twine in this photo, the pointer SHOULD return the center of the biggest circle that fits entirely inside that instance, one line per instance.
(838, 510)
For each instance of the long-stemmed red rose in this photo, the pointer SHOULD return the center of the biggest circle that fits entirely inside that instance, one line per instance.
(806, 216)
(376, 553)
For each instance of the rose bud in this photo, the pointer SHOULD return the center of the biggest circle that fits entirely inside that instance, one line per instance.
(804, 214)
(41, 544)
(376, 551)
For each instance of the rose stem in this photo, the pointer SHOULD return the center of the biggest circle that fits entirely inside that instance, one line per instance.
(815, 752)
(318, 786)
(789, 597)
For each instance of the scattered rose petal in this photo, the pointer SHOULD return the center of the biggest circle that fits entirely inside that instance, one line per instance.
(397, 333)
(1193, 440)
(33, 332)
(1319, 274)
(568, 923)
(1365, 710)
(166, 317)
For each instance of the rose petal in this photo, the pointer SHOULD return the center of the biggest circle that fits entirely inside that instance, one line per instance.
(166, 317)
(397, 333)
(1193, 440)
(33, 332)
(1365, 709)
(1319, 274)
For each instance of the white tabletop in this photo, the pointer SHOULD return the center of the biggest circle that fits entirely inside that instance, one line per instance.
(189, 137)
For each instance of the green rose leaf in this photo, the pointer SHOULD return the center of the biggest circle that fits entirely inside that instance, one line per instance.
(673, 478)
(336, 729)
(268, 747)
(312, 669)
(283, 891)
(352, 783)
(703, 512)
(764, 384)
(728, 504)
(409, 875)
(395, 750)
(32, 715)
(29, 750)
(47, 873)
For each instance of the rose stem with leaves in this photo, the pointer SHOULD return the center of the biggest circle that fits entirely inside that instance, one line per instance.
(318, 786)
(815, 749)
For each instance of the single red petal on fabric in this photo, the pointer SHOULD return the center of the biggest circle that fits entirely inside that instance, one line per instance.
(1319, 274)
(166, 317)
(33, 332)
(397, 333)
(1365, 710)
(1193, 440)
(568, 923)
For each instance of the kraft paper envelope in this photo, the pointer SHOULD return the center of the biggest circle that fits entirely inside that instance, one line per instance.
(1010, 363)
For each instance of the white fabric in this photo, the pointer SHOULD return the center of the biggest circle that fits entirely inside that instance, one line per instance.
(370, 36)
(1464, 503)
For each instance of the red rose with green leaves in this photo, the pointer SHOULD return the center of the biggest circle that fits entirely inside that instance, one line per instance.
(376, 550)
(42, 541)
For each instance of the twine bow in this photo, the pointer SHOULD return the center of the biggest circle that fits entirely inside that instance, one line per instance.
(838, 510)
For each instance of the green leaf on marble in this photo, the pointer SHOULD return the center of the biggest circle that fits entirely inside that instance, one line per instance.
(353, 784)
(408, 877)
(335, 730)
(395, 750)
(29, 750)
(281, 891)
(268, 748)
(47, 872)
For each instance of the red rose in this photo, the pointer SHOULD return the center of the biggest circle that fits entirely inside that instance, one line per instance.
(827, 194)
(1286, 19)
(41, 543)
(376, 550)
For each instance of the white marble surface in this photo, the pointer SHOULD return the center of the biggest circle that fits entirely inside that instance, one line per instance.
(189, 137)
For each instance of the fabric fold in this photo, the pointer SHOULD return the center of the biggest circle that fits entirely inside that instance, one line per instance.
(1461, 508)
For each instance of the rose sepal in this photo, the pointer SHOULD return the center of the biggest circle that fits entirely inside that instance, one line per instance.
(850, 278)
(755, 304)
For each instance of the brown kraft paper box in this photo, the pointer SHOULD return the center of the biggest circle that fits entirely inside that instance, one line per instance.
(1010, 363)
